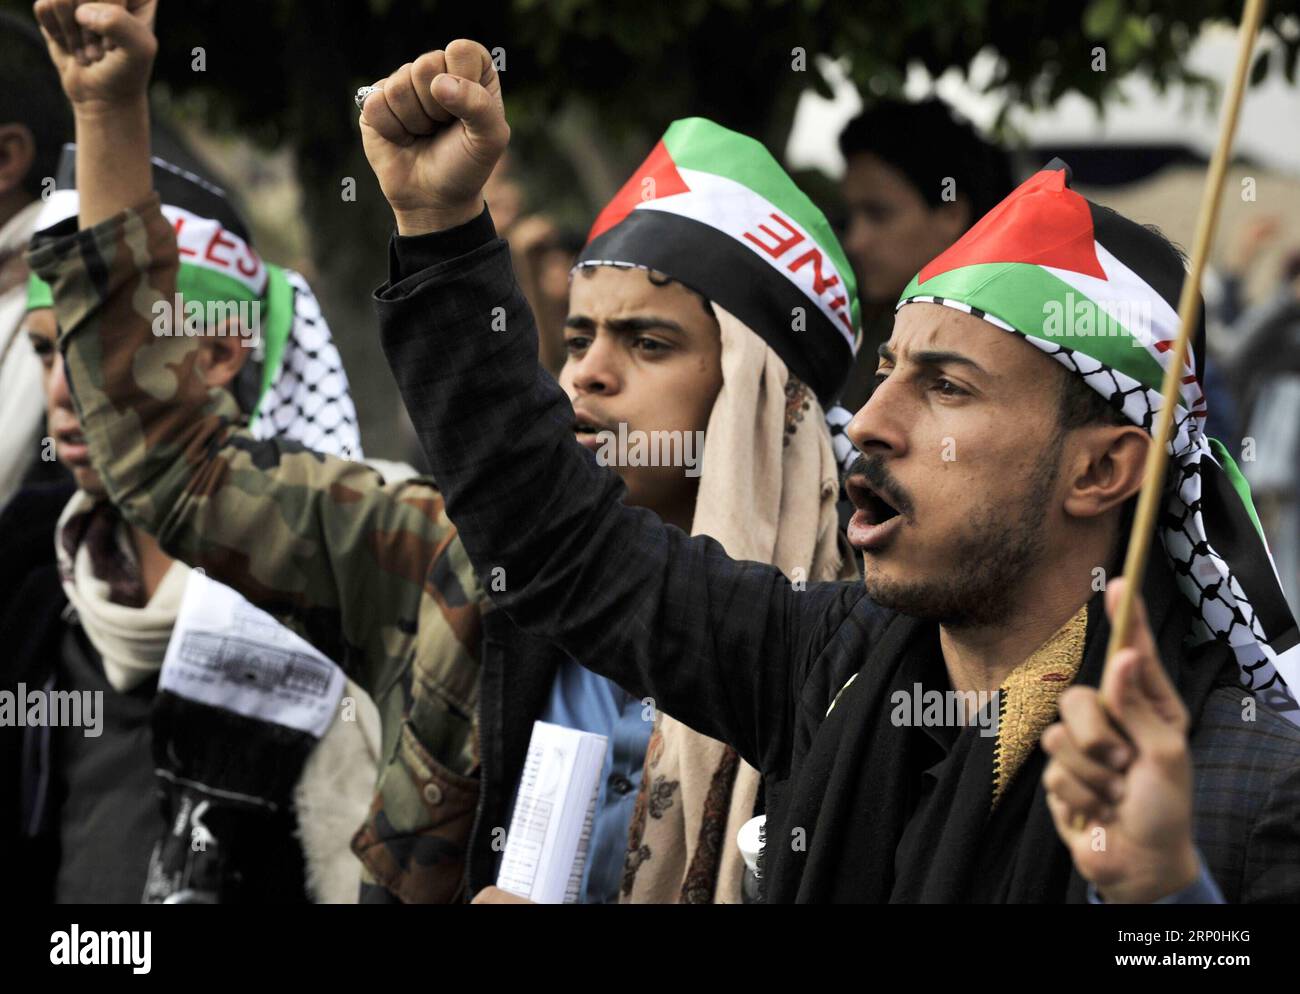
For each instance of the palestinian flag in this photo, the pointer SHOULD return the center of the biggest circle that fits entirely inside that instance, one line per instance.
(714, 210)
(1099, 294)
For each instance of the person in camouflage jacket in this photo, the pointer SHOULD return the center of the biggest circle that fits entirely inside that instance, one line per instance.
(369, 572)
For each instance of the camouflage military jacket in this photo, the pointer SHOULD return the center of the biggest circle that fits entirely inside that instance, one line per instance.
(370, 573)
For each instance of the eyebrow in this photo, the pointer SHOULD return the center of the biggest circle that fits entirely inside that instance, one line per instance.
(625, 326)
(933, 357)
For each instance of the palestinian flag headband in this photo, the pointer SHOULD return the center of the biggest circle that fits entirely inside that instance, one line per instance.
(302, 392)
(715, 211)
(1099, 294)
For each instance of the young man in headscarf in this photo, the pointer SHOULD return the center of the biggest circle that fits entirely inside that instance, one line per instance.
(653, 348)
(769, 476)
(991, 500)
(172, 795)
(648, 351)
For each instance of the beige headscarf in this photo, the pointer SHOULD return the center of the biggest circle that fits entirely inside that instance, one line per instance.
(768, 491)
(101, 579)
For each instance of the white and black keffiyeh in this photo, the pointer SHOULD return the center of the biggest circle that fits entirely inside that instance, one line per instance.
(307, 400)
(846, 453)
(1046, 252)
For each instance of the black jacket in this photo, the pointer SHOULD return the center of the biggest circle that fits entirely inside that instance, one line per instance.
(31, 627)
(514, 684)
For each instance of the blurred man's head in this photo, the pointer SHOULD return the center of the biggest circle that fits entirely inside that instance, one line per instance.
(221, 357)
(34, 116)
(641, 350)
(915, 179)
(41, 329)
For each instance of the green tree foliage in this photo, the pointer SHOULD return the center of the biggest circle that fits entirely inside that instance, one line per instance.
(590, 83)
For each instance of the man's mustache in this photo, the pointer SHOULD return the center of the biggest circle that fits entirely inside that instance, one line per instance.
(873, 468)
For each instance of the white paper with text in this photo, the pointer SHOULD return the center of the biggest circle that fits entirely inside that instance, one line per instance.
(550, 832)
(227, 653)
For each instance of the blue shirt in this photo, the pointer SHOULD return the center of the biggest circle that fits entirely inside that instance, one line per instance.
(1201, 891)
(590, 703)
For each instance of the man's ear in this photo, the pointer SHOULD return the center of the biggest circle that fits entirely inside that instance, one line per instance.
(1107, 464)
(222, 357)
(17, 153)
(951, 219)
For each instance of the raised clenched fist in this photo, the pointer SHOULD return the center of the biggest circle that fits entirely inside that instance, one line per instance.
(103, 51)
(432, 132)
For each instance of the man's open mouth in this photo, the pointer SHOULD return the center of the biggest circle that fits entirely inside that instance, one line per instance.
(875, 510)
(875, 520)
(587, 429)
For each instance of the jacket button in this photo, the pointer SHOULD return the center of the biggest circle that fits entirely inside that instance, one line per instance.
(620, 784)
(432, 793)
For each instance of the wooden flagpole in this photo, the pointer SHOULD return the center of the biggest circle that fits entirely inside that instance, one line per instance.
(1189, 308)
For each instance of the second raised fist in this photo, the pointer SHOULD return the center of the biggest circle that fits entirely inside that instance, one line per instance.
(433, 130)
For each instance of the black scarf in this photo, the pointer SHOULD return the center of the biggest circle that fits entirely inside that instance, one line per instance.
(844, 830)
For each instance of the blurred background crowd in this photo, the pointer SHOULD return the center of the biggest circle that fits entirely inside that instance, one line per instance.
(871, 106)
